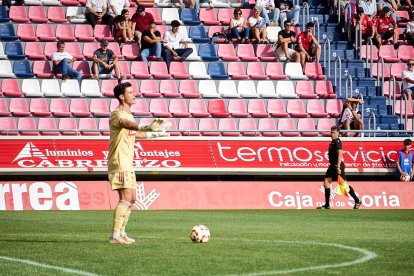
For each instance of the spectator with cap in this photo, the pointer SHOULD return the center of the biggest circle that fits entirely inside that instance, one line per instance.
(61, 60)
(382, 23)
(286, 38)
(140, 22)
(105, 61)
(95, 10)
(365, 23)
(151, 43)
(173, 41)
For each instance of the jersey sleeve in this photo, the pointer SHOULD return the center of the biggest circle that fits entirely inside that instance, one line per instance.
(338, 144)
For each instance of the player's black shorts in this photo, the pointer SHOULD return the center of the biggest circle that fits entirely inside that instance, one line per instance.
(332, 172)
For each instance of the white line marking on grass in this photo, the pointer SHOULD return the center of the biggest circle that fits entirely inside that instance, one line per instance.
(368, 255)
(63, 269)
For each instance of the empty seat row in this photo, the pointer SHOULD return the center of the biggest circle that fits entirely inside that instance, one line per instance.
(171, 88)
(238, 108)
(395, 70)
(185, 126)
(388, 53)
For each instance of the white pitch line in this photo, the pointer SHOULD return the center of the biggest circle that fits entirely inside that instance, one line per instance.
(63, 269)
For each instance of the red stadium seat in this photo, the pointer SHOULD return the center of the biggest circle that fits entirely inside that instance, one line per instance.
(149, 88)
(387, 53)
(39, 107)
(18, 14)
(11, 88)
(315, 108)
(228, 127)
(47, 126)
(245, 52)
(74, 49)
(197, 108)
(388, 91)
(84, 32)
(324, 126)
(224, 15)
(107, 87)
(398, 109)
(237, 108)
(405, 52)
(131, 51)
(8, 126)
(208, 127)
(178, 70)
(374, 53)
(307, 124)
(217, 108)
(27, 126)
(42, 69)
(334, 108)
(304, 89)
(44, 32)
(103, 126)
(208, 16)
(64, 32)
(267, 127)
(158, 108)
(313, 70)
(139, 69)
(324, 89)
(276, 108)
(37, 14)
(124, 68)
(79, 108)
(103, 31)
(87, 125)
(68, 126)
(296, 109)
(155, 13)
(84, 68)
(188, 89)
(265, 52)
(377, 70)
(257, 108)
(226, 52)
(56, 14)
(158, 70)
(4, 107)
(18, 107)
(256, 71)
(178, 108)
(99, 108)
(284, 124)
(397, 69)
(168, 88)
(34, 50)
(236, 70)
(188, 127)
(275, 71)
(140, 108)
(216, 29)
(248, 127)
(89, 48)
(26, 32)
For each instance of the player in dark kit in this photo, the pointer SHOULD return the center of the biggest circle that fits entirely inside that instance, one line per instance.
(336, 167)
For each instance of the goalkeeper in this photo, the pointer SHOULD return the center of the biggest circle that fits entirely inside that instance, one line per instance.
(121, 174)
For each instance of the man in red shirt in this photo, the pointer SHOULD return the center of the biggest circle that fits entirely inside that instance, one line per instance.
(140, 22)
(382, 23)
(367, 27)
(304, 47)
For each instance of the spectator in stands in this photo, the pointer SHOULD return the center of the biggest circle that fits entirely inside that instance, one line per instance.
(61, 60)
(350, 119)
(95, 10)
(288, 11)
(408, 79)
(392, 4)
(409, 30)
(123, 27)
(404, 160)
(151, 43)
(308, 46)
(382, 24)
(367, 27)
(115, 8)
(370, 7)
(284, 42)
(269, 12)
(238, 27)
(172, 47)
(8, 3)
(191, 4)
(257, 26)
(140, 22)
(105, 61)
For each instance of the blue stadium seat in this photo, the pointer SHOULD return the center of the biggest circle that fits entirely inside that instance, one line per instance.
(198, 34)
(14, 50)
(4, 17)
(216, 70)
(208, 52)
(7, 32)
(22, 69)
(189, 17)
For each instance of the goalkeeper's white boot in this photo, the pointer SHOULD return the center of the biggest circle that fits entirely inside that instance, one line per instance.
(118, 240)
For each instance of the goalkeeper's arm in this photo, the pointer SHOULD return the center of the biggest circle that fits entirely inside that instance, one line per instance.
(142, 133)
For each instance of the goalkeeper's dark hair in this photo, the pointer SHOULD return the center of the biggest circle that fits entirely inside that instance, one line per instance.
(120, 89)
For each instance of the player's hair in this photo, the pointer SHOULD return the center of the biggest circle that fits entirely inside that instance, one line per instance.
(175, 23)
(335, 128)
(120, 89)
(310, 24)
(60, 43)
(407, 142)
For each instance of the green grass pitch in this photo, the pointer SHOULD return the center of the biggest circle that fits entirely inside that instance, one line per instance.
(243, 242)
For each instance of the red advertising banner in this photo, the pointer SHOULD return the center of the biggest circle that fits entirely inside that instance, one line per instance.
(78, 195)
(187, 156)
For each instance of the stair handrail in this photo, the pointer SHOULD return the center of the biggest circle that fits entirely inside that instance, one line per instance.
(358, 39)
(372, 117)
(327, 44)
(404, 98)
(360, 96)
(338, 62)
(305, 15)
(369, 41)
(348, 12)
(380, 84)
(348, 79)
(392, 92)
(316, 22)
(339, 12)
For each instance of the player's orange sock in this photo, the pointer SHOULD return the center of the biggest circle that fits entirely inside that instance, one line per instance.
(119, 217)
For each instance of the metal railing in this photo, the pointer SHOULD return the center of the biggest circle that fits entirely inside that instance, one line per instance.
(358, 39)
(372, 118)
(327, 44)
(316, 22)
(348, 86)
(392, 92)
(371, 58)
(405, 113)
(305, 15)
(380, 62)
(338, 64)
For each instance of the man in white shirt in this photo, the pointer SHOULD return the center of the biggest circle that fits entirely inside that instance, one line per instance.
(61, 60)
(95, 10)
(370, 7)
(408, 79)
(172, 46)
(350, 119)
(269, 13)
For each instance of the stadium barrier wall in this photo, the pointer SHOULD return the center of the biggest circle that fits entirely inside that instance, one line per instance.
(293, 156)
(96, 195)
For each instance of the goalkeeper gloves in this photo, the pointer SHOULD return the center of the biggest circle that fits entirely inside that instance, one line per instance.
(151, 134)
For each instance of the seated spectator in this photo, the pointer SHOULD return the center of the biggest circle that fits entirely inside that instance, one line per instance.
(391, 4)
(288, 11)
(115, 8)
(404, 160)
(269, 12)
(284, 42)
(238, 27)
(409, 30)
(8, 3)
(105, 61)
(367, 27)
(192, 4)
(382, 24)
(140, 22)
(172, 48)
(61, 60)
(257, 26)
(408, 79)
(308, 46)
(350, 119)
(96, 10)
(370, 7)
(123, 27)
(151, 43)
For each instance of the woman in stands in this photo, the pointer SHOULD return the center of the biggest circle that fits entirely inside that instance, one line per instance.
(123, 27)
(238, 27)
(258, 26)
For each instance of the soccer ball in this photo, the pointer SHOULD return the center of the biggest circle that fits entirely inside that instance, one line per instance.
(405, 177)
(200, 233)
